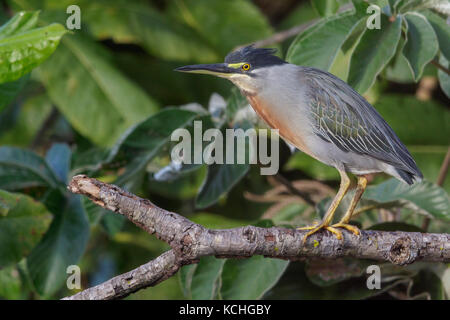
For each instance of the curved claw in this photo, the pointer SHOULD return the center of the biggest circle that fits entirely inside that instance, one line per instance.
(317, 228)
(349, 227)
(315, 224)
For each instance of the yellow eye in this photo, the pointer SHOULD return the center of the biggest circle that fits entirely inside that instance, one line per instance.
(245, 67)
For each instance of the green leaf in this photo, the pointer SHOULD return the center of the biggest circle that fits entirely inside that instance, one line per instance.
(10, 283)
(444, 78)
(416, 122)
(138, 22)
(373, 52)
(442, 30)
(20, 168)
(20, 22)
(421, 45)
(167, 38)
(223, 24)
(62, 245)
(58, 158)
(25, 51)
(319, 45)
(325, 274)
(219, 180)
(205, 279)
(23, 221)
(9, 90)
(424, 197)
(143, 141)
(114, 102)
(250, 278)
(325, 8)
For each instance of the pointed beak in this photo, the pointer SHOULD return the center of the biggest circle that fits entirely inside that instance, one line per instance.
(216, 69)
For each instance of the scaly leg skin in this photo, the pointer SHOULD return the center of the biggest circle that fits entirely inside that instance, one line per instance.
(344, 223)
(325, 224)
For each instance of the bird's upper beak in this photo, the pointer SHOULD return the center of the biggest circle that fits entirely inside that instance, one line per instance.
(217, 69)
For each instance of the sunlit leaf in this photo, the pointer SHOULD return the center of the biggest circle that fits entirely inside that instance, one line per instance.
(25, 51)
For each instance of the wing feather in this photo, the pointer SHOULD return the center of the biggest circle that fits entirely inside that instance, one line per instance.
(344, 118)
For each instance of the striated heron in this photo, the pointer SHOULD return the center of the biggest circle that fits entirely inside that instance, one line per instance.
(322, 116)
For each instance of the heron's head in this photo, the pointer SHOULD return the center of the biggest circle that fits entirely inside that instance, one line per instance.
(246, 67)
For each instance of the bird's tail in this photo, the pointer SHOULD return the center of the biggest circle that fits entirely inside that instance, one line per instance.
(408, 176)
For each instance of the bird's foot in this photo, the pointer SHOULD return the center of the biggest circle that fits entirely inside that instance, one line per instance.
(318, 227)
(347, 226)
(333, 229)
(314, 225)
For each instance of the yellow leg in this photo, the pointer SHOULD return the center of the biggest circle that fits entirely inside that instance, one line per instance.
(325, 224)
(362, 184)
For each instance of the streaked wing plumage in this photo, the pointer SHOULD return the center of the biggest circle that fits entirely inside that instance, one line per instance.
(342, 117)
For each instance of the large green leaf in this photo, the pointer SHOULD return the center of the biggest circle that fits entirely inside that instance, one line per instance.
(20, 22)
(250, 278)
(62, 245)
(219, 180)
(10, 283)
(95, 97)
(319, 46)
(138, 22)
(142, 142)
(223, 24)
(424, 197)
(20, 168)
(442, 30)
(24, 51)
(421, 45)
(168, 38)
(203, 282)
(373, 52)
(23, 221)
(416, 122)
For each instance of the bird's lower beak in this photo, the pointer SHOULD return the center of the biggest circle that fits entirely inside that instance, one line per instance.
(217, 69)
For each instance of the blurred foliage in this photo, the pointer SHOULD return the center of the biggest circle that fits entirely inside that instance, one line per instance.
(103, 101)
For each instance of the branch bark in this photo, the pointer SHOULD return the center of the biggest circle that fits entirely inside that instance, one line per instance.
(191, 241)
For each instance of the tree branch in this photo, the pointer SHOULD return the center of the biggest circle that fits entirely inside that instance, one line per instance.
(191, 241)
